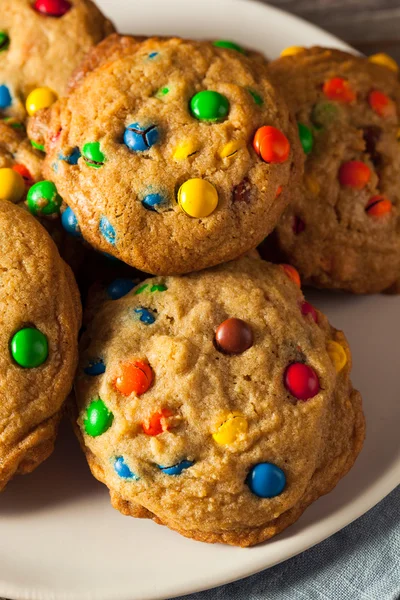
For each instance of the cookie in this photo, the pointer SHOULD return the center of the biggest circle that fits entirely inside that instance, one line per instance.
(41, 43)
(342, 230)
(217, 403)
(40, 317)
(187, 154)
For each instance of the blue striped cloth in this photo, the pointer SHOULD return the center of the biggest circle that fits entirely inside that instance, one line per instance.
(361, 562)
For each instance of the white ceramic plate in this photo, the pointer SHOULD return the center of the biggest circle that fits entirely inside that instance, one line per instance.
(60, 538)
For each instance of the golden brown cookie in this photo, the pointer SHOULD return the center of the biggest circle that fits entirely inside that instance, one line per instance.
(188, 155)
(217, 403)
(40, 316)
(41, 43)
(342, 230)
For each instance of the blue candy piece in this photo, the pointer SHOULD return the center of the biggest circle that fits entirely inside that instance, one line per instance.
(5, 97)
(122, 469)
(70, 222)
(107, 231)
(95, 367)
(151, 201)
(153, 54)
(177, 469)
(120, 287)
(266, 480)
(145, 315)
(138, 138)
(71, 159)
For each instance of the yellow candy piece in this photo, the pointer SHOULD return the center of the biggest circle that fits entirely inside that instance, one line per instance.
(292, 50)
(185, 149)
(337, 355)
(12, 185)
(235, 426)
(385, 61)
(198, 198)
(312, 184)
(230, 148)
(40, 98)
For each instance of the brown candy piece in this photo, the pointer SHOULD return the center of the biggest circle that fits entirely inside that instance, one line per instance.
(233, 336)
(242, 192)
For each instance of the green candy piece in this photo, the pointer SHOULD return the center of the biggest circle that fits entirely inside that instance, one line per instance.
(93, 155)
(257, 99)
(98, 418)
(141, 289)
(162, 92)
(323, 114)
(38, 146)
(159, 287)
(43, 199)
(209, 106)
(29, 348)
(4, 41)
(229, 45)
(13, 123)
(306, 138)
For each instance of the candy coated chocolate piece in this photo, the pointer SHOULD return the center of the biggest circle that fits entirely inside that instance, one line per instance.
(384, 60)
(43, 199)
(71, 158)
(308, 309)
(5, 97)
(158, 287)
(4, 41)
(339, 89)
(242, 192)
(52, 8)
(271, 144)
(337, 355)
(198, 198)
(292, 273)
(256, 97)
(323, 114)
(139, 138)
(301, 381)
(157, 423)
(29, 348)
(292, 51)
(185, 149)
(354, 173)
(98, 418)
(134, 378)
(209, 106)
(107, 231)
(12, 185)
(230, 148)
(178, 468)
(153, 201)
(145, 316)
(95, 367)
(234, 336)
(70, 223)
(40, 98)
(378, 206)
(92, 155)
(122, 469)
(229, 45)
(382, 104)
(306, 138)
(120, 287)
(234, 428)
(25, 174)
(266, 480)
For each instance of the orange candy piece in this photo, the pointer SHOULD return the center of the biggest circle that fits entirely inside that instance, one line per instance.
(354, 174)
(271, 144)
(378, 206)
(135, 378)
(292, 273)
(279, 191)
(339, 89)
(23, 171)
(157, 422)
(382, 104)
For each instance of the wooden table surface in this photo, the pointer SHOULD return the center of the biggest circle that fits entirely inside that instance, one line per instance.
(369, 25)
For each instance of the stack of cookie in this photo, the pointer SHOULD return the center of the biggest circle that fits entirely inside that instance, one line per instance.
(211, 396)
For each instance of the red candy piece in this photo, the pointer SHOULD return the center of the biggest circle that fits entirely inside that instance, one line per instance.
(135, 377)
(339, 89)
(308, 309)
(301, 381)
(157, 423)
(378, 206)
(52, 8)
(354, 174)
(382, 104)
(292, 273)
(26, 176)
(271, 144)
(279, 191)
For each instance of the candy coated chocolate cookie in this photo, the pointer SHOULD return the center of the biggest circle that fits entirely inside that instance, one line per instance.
(224, 415)
(341, 230)
(40, 317)
(187, 153)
